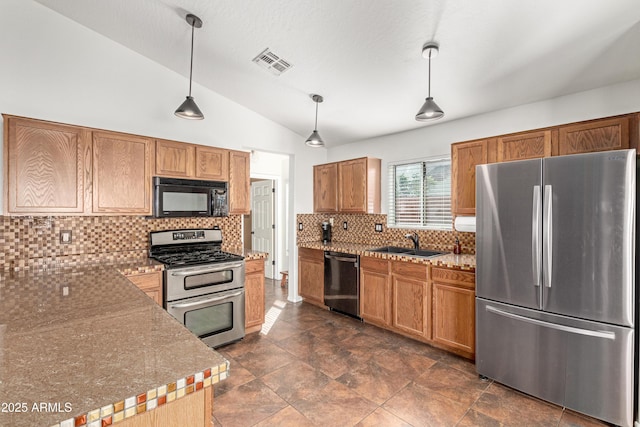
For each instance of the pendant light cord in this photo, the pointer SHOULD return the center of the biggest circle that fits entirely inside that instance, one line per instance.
(191, 66)
(429, 92)
(315, 127)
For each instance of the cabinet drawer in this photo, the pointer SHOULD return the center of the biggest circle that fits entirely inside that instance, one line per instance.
(374, 264)
(254, 266)
(456, 277)
(316, 254)
(409, 269)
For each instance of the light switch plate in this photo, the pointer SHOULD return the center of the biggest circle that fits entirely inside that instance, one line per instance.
(344, 225)
(299, 226)
(65, 237)
(378, 228)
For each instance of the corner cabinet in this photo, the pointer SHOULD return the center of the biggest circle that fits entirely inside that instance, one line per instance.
(325, 188)
(454, 310)
(350, 186)
(239, 183)
(254, 295)
(47, 167)
(465, 156)
(311, 275)
(121, 173)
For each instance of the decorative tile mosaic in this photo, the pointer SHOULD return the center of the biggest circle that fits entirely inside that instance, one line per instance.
(134, 405)
(34, 242)
(361, 230)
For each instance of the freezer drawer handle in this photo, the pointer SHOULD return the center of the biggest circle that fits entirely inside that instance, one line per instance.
(570, 329)
(547, 225)
(535, 236)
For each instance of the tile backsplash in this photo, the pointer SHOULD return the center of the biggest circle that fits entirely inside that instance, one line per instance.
(27, 242)
(361, 229)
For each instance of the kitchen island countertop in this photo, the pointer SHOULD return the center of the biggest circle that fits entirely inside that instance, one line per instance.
(85, 344)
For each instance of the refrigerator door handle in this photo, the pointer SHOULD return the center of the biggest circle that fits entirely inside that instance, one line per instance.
(535, 236)
(547, 229)
(563, 328)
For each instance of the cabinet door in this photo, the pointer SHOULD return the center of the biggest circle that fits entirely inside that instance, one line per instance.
(325, 188)
(454, 316)
(465, 156)
(174, 159)
(597, 135)
(47, 167)
(529, 145)
(375, 296)
(352, 186)
(239, 194)
(410, 299)
(254, 293)
(212, 163)
(311, 276)
(150, 284)
(121, 173)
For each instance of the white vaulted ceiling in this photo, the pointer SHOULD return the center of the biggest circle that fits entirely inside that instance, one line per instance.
(364, 56)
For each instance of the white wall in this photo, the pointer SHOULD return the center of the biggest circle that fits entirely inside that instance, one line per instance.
(436, 139)
(55, 69)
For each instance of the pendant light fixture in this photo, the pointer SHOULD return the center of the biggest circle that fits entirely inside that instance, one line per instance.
(429, 110)
(314, 139)
(188, 109)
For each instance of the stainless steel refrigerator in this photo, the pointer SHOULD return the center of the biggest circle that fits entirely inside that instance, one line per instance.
(556, 290)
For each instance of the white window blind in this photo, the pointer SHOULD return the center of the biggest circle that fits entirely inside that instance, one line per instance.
(420, 194)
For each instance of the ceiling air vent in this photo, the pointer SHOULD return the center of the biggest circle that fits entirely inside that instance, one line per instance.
(272, 62)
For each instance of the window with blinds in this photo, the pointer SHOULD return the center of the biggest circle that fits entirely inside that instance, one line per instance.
(420, 194)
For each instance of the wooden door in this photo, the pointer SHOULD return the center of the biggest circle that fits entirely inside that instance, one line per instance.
(47, 167)
(212, 163)
(410, 299)
(311, 275)
(254, 293)
(454, 310)
(174, 159)
(239, 185)
(325, 188)
(121, 173)
(352, 186)
(465, 156)
(528, 145)
(595, 135)
(375, 291)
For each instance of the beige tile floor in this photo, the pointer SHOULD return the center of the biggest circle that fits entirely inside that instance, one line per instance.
(312, 367)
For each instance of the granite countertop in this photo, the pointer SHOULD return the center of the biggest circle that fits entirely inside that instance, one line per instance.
(86, 342)
(462, 262)
(248, 254)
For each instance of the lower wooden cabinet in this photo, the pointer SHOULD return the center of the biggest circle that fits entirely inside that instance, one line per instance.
(454, 310)
(254, 295)
(150, 284)
(375, 291)
(410, 302)
(311, 275)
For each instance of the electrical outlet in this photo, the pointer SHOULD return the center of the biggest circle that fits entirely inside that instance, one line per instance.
(299, 226)
(65, 237)
(344, 225)
(379, 228)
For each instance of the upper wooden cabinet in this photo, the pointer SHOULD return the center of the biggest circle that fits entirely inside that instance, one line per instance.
(239, 184)
(521, 146)
(595, 135)
(465, 156)
(121, 173)
(356, 189)
(212, 163)
(325, 188)
(47, 167)
(175, 159)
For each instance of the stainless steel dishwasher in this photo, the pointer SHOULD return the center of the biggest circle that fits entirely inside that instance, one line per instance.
(342, 282)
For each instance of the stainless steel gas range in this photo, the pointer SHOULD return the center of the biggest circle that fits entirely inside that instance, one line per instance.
(203, 286)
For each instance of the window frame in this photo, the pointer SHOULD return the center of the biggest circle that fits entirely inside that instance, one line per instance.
(391, 195)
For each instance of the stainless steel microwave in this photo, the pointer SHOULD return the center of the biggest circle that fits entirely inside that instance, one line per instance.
(174, 197)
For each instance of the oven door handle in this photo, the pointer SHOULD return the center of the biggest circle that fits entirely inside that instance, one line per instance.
(205, 270)
(207, 301)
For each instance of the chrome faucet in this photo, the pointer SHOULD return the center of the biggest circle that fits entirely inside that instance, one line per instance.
(415, 239)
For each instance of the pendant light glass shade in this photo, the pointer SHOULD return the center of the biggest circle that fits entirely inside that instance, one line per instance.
(429, 110)
(314, 139)
(188, 109)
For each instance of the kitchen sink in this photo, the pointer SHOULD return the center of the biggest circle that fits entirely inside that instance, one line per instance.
(422, 253)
